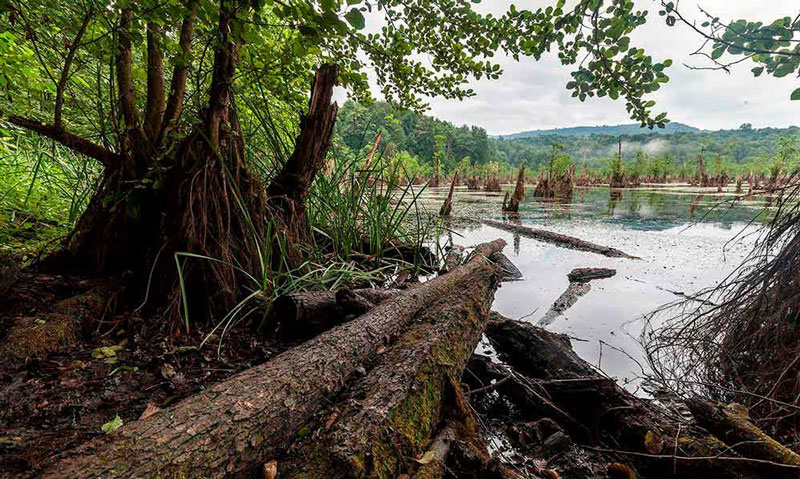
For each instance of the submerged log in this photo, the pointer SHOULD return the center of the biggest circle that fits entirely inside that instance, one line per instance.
(239, 424)
(558, 239)
(567, 300)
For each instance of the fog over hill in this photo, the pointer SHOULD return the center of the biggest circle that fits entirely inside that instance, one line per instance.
(626, 129)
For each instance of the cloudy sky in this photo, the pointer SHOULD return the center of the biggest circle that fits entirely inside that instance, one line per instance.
(531, 95)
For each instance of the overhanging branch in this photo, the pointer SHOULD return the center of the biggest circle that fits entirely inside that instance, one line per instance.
(70, 140)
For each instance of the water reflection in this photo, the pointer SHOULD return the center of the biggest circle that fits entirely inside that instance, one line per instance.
(681, 233)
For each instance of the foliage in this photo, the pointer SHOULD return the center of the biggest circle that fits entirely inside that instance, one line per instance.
(773, 46)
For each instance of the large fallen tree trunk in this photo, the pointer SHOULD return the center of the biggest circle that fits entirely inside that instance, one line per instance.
(656, 443)
(557, 239)
(239, 424)
(306, 314)
(389, 418)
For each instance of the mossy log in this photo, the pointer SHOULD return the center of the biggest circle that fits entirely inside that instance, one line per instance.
(304, 315)
(389, 418)
(59, 328)
(655, 443)
(731, 423)
(236, 426)
(557, 239)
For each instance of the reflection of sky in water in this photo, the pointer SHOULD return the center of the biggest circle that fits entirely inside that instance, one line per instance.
(659, 226)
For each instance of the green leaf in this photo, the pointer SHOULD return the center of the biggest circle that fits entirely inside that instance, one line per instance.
(112, 425)
(757, 71)
(355, 18)
(796, 94)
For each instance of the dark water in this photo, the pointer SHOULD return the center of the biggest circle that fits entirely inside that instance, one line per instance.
(687, 238)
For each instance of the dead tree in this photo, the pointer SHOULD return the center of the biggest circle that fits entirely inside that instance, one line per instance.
(519, 192)
(447, 206)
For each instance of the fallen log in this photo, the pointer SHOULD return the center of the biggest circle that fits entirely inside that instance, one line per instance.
(557, 239)
(657, 443)
(732, 424)
(236, 426)
(452, 259)
(391, 415)
(510, 270)
(584, 275)
(306, 314)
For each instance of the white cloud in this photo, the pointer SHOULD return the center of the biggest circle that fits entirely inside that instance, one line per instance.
(531, 95)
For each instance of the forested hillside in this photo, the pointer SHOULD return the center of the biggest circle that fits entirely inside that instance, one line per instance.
(416, 138)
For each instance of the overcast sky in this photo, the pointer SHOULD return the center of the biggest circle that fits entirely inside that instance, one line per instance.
(531, 95)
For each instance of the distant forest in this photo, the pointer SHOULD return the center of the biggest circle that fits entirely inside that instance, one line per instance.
(417, 139)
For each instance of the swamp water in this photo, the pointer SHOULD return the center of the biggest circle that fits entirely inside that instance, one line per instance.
(686, 238)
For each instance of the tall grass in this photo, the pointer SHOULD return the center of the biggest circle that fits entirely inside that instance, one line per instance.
(44, 188)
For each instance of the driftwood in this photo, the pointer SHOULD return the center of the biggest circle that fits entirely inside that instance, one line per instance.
(651, 440)
(239, 425)
(304, 315)
(557, 239)
(584, 275)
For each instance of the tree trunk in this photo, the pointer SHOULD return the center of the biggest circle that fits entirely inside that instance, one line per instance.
(391, 415)
(519, 192)
(304, 315)
(289, 187)
(447, 206)
(241, 423)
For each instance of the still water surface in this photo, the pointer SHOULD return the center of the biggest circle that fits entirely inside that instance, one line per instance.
(686, 239)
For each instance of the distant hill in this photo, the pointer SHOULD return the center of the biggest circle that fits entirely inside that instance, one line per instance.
(615, 130)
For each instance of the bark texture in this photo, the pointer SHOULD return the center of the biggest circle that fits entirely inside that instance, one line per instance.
(392, 414)
(240, 424)
(304, 315)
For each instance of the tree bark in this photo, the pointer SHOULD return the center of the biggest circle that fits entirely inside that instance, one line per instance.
(241, 423)
(519, 192)
(304, 315)
(180, 72)
(154, 109)
(289, 187)
(447, 206)
(389, 418)
(558, 239)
